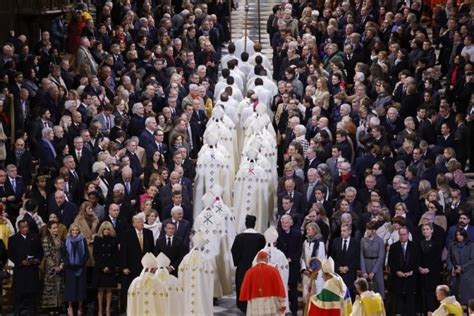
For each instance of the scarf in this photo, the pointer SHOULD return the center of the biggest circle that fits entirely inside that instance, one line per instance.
(76, 251)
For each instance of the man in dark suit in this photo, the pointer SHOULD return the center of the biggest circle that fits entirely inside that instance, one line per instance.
(83, 157)
(183, 227)
(22, 111)
(135, 243)
(290, 242)
(344, 249)
(118, 222)
(146, 136)
(298, 199)
(16, 185)
(75, 182)
(158, 145)
(403, 259)
(21, 158)
(166, 193)
(26, 253)
(427, 130)
(310, 187)
(31, 208)
(66, 211)
(244, 249)
(287, 207)
(131, 184)
(185, 181)
(36, 127)
(177, 199)
(172, 246)
(135, 163)
(312, 161)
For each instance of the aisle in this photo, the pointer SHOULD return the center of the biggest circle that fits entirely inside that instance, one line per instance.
(227, 305)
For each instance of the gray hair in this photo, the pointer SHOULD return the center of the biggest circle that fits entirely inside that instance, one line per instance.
(45, 132)
(176, 209)
(136, 106)
(98, 165)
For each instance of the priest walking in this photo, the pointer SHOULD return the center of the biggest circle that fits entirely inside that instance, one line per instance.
(263, 288)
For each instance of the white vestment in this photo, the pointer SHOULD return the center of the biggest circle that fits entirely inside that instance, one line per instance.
(267, 83)
(358, 308)
(212, 167)
(240, 46)
(278, 259)
(264, 95)
(227, 137)
(196, 277)
(265, 61)
(251, 195)
(305, 257)
(169, 293)
(212, 226)
(143, 297)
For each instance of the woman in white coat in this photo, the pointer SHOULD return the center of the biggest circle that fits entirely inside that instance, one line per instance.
(312, 247)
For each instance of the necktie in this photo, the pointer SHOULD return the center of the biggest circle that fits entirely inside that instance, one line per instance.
(127, 186)
(159, 148)
(190, 138)
(168, 244)
(74, 173)
(310, 190)
(405, 251)
(45, 124)
(78, 156)
(114, 222)
(14, 185)
(107, 122)
(344, 247)
(140, 240)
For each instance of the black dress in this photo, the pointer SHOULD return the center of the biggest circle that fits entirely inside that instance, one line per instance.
(105, 255)
(430, 257)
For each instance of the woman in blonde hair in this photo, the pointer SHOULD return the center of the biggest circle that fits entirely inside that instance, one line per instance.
(6, 227)
(106, 253)
(322, 96)
(88, 223)
(312, 247)
(75, 256)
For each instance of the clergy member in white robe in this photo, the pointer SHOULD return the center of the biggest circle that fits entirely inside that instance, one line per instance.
(251, 192)
(212, 167)
(196, 276)
(244, 44)
(277, 259)
(169, 291)
(212, 226)
(142, 297)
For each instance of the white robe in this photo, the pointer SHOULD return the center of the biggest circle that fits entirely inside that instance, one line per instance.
(227, 137)
(265, 61)
(212, 226)
(251, 195)
(278, 259)
(267, 83)
(212, 167)
(196, 277)
(170, 293)
(143, 297)
(240, 46)
(305, 257)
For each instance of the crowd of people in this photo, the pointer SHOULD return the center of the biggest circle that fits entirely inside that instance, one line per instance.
(104, 125)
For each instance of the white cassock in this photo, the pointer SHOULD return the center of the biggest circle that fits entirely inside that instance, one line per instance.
(278, 259)
(212, 166)
(246, 68)
(230, 109)
(244, 110)
(239, 78)
(143, 297)
(228, 57)
(251, 194)
(264, 95)
(212, 227)
(169, 293)
(227, 137)
(265, 61)
(307, 254)
(267, 83)
(240, 46)
(196, 277)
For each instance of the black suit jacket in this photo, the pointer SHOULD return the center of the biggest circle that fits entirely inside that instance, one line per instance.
(130, 252)
(427, 132)
(166, 194)
(187, 212)
(135, 188)
(20, 188)
(146, 138)
(299, 202)
(26, 278)
(121, 225)
(346, 259)
(85, 165)
(175, 253)
(67, 212)
(291, 245)
(398, 262)
(134, 163)
(24, 164)
(183, 232)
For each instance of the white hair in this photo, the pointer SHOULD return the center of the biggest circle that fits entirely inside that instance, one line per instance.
(118, 187)
(98, 165)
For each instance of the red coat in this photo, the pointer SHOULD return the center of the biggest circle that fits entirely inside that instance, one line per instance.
(262, 280)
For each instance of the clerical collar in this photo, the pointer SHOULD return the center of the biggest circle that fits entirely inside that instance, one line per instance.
(250, 231)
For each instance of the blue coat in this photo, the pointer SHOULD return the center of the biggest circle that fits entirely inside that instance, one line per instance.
(47, 156)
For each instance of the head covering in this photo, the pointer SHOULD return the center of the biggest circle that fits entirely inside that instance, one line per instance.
(212, 139)
(198, 240)
(149, 261)
(218, 112)
(162, 260)
(217, 190)
(271, 235)
(251, 153)
(262, 254)
(328, 266)
(207, 199)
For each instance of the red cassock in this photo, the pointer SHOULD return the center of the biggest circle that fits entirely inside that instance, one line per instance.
(262, 280)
